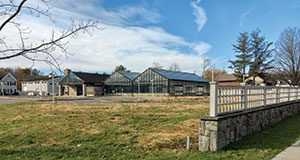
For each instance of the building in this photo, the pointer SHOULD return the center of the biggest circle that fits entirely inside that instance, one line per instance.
(8, 84)
(120, 82)
(227, 79)
(160, 81)
(230, 79)
(41, 86)
(82, 84)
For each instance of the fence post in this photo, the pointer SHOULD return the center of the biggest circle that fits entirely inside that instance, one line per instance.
(277, 94)
(213, 111)
(289, 94)
(245, 97)
(297, 93)
(265, 95)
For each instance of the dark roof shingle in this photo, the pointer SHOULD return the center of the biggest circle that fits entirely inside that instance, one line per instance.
(91, 77)
(226, 78)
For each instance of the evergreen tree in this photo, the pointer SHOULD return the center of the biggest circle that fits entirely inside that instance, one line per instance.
(262, 55)
(243, 56)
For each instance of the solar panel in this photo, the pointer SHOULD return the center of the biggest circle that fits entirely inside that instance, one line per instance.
(183, 76)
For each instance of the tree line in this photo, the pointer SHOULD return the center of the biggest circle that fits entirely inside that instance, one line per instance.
(255, 56)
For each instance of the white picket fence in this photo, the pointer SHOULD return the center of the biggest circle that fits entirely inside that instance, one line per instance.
(228, 99)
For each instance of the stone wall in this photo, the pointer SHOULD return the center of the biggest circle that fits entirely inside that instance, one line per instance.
(217, 132)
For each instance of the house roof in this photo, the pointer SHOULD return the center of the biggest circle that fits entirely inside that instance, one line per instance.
(129, 75)
(4, 74)
(91, 77)
(41, 78)
(182, 76)
(225, 78)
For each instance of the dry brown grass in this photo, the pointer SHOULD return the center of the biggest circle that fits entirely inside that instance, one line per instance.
(151, 124)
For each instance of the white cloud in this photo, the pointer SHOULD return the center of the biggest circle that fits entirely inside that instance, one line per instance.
(200, 14)
(244, 15)
(134, 46)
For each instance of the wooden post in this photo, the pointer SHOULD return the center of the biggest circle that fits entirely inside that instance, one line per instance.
(213, 99)
(59, 90)
(83, 90)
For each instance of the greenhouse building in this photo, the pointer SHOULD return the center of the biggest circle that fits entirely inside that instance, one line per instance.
(120, 82)
(160, 81)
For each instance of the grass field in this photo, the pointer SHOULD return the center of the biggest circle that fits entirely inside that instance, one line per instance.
(125, 131)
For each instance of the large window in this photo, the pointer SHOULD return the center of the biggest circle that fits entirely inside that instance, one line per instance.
(150, 81)
(117, 83)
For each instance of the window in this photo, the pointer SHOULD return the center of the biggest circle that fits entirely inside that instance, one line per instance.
(188, 89)
(178, 90)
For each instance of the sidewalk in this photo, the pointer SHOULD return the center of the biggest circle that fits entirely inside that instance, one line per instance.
(291, 153)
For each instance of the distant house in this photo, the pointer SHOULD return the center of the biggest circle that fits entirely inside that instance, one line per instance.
(230, 79)
(41, 86)
(227, 79)
(162, 81)
(82, 84)
(8, 84)
(120, 82)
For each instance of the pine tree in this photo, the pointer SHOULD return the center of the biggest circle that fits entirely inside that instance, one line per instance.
(262, 55)
(243, 56)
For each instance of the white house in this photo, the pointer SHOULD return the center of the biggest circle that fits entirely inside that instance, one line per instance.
(42, 86)
(8, 84)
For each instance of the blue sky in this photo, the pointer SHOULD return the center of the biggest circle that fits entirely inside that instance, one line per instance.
(139, 32)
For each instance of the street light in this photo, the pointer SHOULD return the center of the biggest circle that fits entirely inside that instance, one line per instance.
(52, 75)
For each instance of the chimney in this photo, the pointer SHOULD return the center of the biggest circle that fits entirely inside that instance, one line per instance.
(67, 72)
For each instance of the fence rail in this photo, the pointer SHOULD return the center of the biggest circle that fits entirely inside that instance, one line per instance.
(228, 99)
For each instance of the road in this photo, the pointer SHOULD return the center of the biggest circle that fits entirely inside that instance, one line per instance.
(5, 100)
(84, 100)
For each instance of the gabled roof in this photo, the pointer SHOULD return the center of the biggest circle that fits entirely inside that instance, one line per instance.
(129, 75)
(182, 76)
(91, 77)
(4, 75)
(226, 78)
(42, 78)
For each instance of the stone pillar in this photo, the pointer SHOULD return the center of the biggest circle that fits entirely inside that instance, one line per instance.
(83, 90)
(59, 90)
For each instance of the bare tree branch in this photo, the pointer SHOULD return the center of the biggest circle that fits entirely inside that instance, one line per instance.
(13, 16)
(43, 51)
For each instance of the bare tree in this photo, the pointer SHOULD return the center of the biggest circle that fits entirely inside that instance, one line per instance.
(207, 64)
(208, 73)
(157, 65)
(11, 12)
(174, 67)
(288, 56)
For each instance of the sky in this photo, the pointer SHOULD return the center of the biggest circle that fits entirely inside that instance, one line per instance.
(136, 33)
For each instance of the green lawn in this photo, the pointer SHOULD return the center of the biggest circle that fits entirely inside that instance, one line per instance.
(125, 131)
